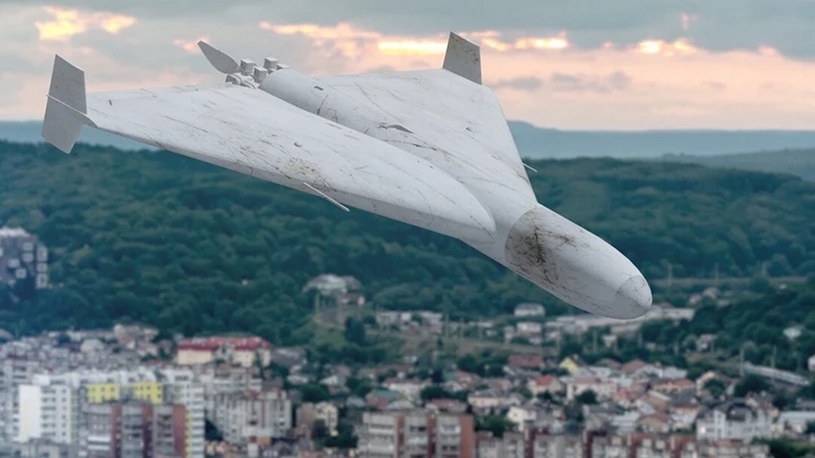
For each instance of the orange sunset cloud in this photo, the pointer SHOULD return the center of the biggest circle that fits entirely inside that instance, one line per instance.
(65, 23)
(549, 81)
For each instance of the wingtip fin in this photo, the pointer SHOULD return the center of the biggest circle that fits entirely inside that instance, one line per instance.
(463, 58)
(66, 109)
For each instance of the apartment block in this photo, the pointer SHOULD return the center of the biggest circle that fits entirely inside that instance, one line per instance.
(39, 449)
(133, 430)
(416, 434)
(226, 379)
(181, 388)
(557, 446)
(242, 351)
(22, 258)
(256, 415)
(326, 412)
(47, 409)
(511, 445)
(50, 407)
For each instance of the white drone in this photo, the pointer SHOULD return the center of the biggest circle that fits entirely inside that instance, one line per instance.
(428, 148)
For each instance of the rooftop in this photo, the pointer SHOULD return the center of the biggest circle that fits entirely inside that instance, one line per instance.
(6, 232)
(214, 343)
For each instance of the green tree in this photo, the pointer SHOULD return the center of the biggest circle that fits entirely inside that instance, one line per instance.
(751, 384)
(496, 424)
(319, 431)
(359, 387)
(355, 331)
(715, 387)
(432, 392)
(314, 392)
(588, 397)
(345, 438)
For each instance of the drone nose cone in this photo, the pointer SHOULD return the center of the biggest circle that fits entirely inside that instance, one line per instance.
(633, 298)
(576, 265)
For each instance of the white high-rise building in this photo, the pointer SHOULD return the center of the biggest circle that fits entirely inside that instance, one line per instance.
(47, 409)
(184, 389)
(13, 373)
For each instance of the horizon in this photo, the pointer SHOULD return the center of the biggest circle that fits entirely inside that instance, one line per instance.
(568, 130)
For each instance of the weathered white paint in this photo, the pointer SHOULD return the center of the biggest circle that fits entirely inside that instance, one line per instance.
(575, 265)
(463, 58)
(256, 134)
(430, 148)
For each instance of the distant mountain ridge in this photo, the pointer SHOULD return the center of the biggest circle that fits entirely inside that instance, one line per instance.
(543, 143)
(539, 143)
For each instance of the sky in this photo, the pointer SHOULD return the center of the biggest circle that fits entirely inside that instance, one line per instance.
(577, 64)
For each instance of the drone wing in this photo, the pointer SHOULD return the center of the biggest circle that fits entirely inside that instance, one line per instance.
(257, 134)
(448, 109)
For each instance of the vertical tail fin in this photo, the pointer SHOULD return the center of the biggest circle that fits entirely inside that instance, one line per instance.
(66, 110)
(463, 58)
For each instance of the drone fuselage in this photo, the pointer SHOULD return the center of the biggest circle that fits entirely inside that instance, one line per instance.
(526, 237)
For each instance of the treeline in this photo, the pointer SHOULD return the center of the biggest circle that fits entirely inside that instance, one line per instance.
(157, 238)
(751, 329)
(754, 329)
(799, 162)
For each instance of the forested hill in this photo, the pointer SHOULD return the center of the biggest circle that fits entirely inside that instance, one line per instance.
(159, 238)
(800, 162)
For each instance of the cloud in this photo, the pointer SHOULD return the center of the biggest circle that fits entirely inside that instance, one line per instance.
(612, 65)
(522, 83)
(721, 25)
(66, 23)
(557, 42)
(687, 19)
(616, 81)
(342, 38)
(353, 41)
(678, 47)
(715, 85)
(407, 46)
(190, 46)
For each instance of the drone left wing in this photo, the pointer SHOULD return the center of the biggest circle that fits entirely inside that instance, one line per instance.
(257, 134)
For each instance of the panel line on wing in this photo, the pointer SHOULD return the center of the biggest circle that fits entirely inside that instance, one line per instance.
(326, 197)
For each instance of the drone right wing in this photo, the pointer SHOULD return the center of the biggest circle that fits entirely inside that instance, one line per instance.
(252, 132)
(458, 122)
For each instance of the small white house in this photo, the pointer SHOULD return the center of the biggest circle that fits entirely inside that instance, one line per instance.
(529, 309)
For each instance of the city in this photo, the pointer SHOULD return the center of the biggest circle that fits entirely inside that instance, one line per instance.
(501, 387)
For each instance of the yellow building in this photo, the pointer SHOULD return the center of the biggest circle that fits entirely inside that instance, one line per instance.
(569, 365)
(99, 393)
(152, 392)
